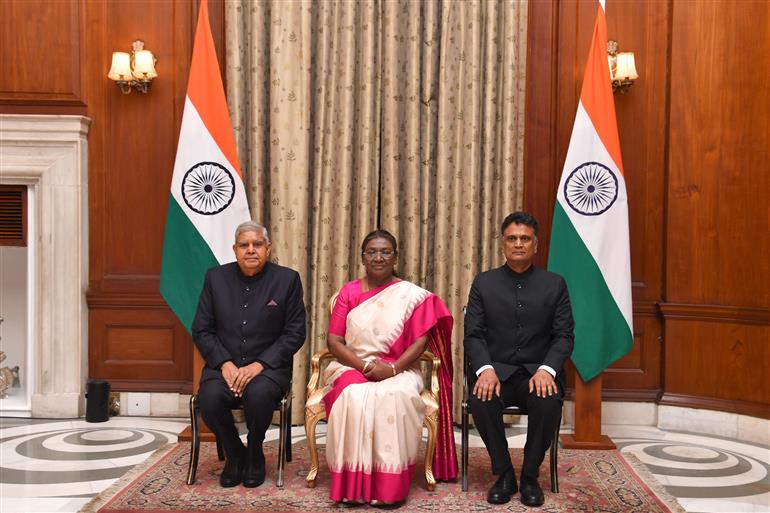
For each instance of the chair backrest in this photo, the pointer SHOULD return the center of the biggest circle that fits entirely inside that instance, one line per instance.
(333, 301)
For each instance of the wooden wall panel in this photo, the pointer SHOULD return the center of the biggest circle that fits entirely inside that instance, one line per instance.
(131, 167)
(718, 365)
(139, 349)
(717, 305)
(43, 53)
(719, 213)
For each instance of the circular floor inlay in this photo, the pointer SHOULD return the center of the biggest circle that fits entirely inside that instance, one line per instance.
(689, 451)
(113, 435)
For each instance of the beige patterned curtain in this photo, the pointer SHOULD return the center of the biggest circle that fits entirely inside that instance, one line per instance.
(353, 115)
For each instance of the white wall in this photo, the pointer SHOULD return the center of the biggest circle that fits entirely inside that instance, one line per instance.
(13, 309)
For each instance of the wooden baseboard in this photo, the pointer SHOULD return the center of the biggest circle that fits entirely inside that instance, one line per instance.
(604, 443)
(206, 435)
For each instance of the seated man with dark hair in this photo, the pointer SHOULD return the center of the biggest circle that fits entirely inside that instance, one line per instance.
(249, 323)
(518, 334)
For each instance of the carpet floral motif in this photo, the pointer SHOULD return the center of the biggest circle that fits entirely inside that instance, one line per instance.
(590, 481)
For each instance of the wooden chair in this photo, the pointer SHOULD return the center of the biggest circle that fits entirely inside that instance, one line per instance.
(315, 411)
(510, 410)
(284, 437)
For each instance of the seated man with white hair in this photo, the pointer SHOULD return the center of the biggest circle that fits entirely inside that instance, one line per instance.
(249, 323)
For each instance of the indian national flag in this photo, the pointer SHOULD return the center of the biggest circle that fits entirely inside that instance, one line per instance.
(208, 200)
(589, 239)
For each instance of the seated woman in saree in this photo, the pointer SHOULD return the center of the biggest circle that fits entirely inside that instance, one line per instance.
(379, 327)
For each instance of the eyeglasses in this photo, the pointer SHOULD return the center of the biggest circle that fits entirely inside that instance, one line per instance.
(371, 254)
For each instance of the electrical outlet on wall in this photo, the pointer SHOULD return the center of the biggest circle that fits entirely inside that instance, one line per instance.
(139, 404)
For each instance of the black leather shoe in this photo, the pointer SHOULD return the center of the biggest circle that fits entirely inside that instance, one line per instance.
(501, 491)
(531, 493)
(254, 474)
(231, 474)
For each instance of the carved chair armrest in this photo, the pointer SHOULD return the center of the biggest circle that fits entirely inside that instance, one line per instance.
(435, 364)
(316, 383)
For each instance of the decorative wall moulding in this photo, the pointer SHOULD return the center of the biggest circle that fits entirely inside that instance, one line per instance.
(49, 154)
(715, 313)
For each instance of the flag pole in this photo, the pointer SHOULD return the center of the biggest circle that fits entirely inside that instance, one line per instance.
(588, 417)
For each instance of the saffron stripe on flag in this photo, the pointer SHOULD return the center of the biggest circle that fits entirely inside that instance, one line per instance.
(206, 91)
(596, 94)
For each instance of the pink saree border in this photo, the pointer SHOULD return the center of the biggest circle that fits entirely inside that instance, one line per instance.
(383, 486)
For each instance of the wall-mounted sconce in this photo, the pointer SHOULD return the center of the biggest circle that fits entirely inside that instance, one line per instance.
(622, 67)
(135, 70)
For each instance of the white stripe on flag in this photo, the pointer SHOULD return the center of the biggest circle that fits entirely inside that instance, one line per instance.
(601, 233)
(196, 145)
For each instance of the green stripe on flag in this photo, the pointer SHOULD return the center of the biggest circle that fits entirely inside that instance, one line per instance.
(601, 332)
(186, 258)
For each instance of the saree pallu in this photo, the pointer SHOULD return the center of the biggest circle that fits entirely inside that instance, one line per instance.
(374, 428)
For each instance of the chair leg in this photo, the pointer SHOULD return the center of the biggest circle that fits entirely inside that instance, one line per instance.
(464, 447)
(555, 459)
(431, 422)
(310, 425)
(196, 439)
(288, 430)
(281, 442)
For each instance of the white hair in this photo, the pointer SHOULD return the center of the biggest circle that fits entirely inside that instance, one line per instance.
(251, 226)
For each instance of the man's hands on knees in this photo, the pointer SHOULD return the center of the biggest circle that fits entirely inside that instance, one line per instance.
(487, 385)
(229, 372)
(542, 383)
(238, 377)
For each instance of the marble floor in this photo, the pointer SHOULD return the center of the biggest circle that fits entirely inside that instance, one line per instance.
(58, 466)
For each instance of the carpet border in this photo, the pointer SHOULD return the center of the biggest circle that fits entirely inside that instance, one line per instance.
(106, 495)
(655, 488)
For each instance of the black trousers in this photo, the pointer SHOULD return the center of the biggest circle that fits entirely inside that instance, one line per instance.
(543, 417)
(260, 397)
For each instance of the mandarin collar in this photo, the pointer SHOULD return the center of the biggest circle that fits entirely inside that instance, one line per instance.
(251, 279)
(520, 276)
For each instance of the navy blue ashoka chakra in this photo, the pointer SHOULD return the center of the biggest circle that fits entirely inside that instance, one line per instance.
(591, 189)
(208, 188)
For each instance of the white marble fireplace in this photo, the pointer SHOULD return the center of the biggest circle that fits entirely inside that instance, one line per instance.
(49, 154)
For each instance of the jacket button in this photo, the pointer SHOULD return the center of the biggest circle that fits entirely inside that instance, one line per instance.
(245, 305)
(518, 285)
(244, 322)
(519, 304)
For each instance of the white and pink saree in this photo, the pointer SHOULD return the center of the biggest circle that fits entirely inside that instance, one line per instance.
(374, 428)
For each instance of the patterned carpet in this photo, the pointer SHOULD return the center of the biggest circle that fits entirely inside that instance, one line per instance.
(595, 481)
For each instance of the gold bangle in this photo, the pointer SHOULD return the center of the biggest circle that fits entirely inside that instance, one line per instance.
(366, 366)
(393, 366)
